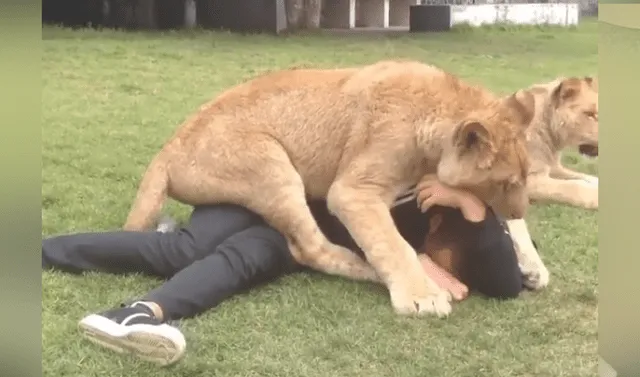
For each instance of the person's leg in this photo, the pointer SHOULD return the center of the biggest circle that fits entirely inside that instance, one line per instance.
(245, 260)
(134, 329)
(153, 253)
(248, 258)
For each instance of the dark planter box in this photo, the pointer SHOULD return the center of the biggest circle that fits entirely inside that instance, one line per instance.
(429, 18)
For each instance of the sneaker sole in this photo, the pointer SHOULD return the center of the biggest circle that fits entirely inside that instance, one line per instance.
(161, 344)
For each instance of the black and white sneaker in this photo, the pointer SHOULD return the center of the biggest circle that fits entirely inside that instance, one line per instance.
(134, 329)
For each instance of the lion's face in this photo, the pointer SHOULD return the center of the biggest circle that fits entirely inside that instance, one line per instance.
(488, 156)
(575, 119)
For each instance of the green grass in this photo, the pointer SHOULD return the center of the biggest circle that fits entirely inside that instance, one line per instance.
(111, 99)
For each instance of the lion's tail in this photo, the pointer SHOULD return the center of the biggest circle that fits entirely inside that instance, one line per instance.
(151, 196)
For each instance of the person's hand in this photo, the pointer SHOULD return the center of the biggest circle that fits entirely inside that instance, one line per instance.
(444, 279)
(430, 192)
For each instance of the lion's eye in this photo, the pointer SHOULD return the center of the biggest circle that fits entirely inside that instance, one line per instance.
(591, 115)
(510, 183)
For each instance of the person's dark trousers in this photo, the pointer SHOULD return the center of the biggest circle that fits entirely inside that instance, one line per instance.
(222, 251)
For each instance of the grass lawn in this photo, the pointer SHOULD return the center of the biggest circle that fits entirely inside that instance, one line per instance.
(111, 99)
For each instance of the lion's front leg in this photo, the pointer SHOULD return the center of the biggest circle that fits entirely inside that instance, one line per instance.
(561, 172)
(367, 217)
(574, 192)
(534, 272)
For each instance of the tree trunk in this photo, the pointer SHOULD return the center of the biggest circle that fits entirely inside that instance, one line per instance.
(313, 14)
(295, 14)
(190, 14)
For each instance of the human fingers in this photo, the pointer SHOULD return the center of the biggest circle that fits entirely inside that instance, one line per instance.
(459, 291)
(428, 202)
(426, 184)
(456, 290)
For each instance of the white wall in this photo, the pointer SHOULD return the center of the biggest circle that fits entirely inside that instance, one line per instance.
(521, 14)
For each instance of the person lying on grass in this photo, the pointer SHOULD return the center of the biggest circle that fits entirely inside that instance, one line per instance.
(226, 249)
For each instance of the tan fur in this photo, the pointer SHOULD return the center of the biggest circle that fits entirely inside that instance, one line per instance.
(358, 137)
(566, 116)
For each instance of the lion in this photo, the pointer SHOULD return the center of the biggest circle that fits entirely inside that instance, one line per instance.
(566, 116)
(357, 137)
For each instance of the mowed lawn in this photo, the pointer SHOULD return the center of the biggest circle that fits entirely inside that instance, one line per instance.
(111, 99)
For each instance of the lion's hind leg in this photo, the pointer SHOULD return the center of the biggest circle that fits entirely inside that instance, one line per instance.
(279, 197)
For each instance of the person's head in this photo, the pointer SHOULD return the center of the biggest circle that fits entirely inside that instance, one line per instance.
(488, 156)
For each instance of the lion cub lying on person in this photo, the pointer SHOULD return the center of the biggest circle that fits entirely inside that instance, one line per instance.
(358, 137)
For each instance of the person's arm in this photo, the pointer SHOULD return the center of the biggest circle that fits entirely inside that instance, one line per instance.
(495, 270)
(430, 192)
(458, 290)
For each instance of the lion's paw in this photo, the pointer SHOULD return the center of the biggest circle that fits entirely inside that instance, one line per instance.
(535, 276)
(410, 302)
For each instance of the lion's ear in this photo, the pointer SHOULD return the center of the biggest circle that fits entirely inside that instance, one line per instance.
(523, 104)
(566, 90)
(592, 82)
(474, 139)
